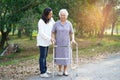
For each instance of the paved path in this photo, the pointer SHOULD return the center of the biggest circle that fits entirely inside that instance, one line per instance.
(107, 69)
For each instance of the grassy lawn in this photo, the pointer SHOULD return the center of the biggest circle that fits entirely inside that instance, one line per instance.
(87, 48)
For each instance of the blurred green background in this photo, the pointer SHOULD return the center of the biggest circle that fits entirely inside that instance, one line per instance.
(96, 24)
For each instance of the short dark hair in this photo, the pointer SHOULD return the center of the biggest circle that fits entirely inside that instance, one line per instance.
(45, 14)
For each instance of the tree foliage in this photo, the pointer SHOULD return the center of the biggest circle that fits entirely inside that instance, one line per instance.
(92, 17)
(10, 13)
(89, 17)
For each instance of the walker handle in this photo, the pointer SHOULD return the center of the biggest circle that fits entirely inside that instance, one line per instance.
(61, 46)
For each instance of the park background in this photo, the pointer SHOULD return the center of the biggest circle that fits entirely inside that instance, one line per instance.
(96, 24)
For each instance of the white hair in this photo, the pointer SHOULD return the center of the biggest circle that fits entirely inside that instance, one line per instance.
(63, 11)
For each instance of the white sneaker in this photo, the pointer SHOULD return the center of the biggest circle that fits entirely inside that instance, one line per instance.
(65, 74)
(49, 72)
(45, 75)
(60, 73)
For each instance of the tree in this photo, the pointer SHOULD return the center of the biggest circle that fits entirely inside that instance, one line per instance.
(110, 16)
(92, 17)
(88, 17)
(28, 23)
(10, 13)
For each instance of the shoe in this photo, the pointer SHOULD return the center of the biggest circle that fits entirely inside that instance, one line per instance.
(60, 73)
(45, 75)
(65, 74)
(49, 72)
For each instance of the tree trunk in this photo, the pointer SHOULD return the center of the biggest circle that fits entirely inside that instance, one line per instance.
(117, 30)
(30, 34)
(19, 32)
(113, 25)
(4, 39)
(13, 31)
(106, 10)
(101, 33)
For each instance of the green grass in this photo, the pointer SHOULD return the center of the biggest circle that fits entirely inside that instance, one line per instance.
(87, 48)
(28, 50)
(11, 60)
(95, 46)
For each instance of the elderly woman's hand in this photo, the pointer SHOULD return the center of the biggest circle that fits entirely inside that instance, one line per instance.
(53, 40)
(73, 41)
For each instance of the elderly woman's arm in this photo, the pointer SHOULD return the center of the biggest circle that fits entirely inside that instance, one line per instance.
(73, 38)
(53, 37)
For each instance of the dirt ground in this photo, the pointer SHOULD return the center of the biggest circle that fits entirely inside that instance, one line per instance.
(30, 68)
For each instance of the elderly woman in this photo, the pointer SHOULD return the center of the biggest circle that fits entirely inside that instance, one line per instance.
(61, 33)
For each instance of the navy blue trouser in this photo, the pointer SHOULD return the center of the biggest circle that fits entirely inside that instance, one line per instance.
(42, 59)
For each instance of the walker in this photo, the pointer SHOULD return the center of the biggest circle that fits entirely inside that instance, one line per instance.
(70, 57)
